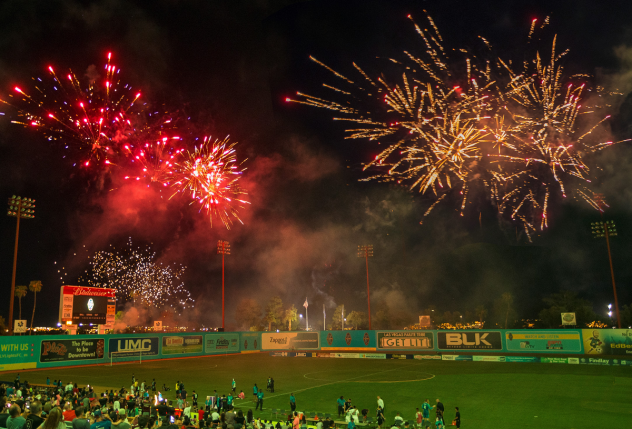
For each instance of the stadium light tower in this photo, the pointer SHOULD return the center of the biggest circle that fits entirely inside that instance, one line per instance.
(223, 247)
(20, 208)
(606, 229)
(365, 252)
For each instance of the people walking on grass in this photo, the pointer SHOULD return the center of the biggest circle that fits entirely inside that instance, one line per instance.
(292, 402)
(419, 418)
(440, 410)
(380, 403)
(341, 405)
(457, 418)
(259, 400)
(425, 407)
(380, 417)
(347, 404)
(255, 390)
(234, 385)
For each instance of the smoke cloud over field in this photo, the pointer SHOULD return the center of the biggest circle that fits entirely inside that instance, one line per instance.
(232, 68)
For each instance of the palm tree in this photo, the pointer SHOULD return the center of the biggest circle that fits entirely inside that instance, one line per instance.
(35, 286)
(481, 313)
(291, 314)
(507, 300)
(20, 292)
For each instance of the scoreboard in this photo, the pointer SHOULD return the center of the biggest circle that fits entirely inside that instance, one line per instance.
(85, 305)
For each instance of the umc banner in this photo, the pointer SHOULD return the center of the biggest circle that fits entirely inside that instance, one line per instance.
(134, 346)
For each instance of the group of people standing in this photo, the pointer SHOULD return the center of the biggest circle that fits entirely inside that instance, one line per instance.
(422, 417)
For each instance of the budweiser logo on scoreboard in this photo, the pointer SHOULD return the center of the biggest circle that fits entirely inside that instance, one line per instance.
(87, 305)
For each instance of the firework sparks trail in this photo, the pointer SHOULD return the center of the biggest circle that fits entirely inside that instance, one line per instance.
(135, 274)
(453, 122)
(210, 176)
(155, 161)
(91, 120)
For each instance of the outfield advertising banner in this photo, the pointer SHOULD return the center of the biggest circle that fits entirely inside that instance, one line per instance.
(181, 344)
(427, 357)
(469, 340)
(345, 355)
(522, 359)
(291, 354)
(132, 346)
(488, 358)
(456, 357)
(67, 350)
(343, 340)
(372, 356)
(405, 340)
(250, 342)
(289, 340)
(562, 341)
(221, 343)
(553, 360)
(601, 361)
(607, 341)
(398, 356)
(17, 353)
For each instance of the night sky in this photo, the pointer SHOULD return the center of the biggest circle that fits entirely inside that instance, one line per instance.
(229, 65)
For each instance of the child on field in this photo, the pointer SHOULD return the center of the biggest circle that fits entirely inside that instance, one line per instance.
(419, 418)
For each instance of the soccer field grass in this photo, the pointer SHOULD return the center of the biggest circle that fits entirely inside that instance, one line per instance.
(489, 395)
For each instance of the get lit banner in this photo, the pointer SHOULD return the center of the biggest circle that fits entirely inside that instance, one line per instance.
(79, 304)
(607, 341)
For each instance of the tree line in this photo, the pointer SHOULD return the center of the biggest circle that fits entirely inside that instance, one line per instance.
(502, 313)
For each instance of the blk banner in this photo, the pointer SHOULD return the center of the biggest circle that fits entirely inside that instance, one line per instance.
(67, 350)
(469, 340)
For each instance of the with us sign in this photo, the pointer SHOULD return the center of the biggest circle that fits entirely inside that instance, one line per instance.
(470, 340)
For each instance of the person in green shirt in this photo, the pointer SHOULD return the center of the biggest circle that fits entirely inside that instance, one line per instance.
(229, 401)
(292, 402)
(341, 406)
(439, 423)
(255, 390)
(425, 410)
(259, 400)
